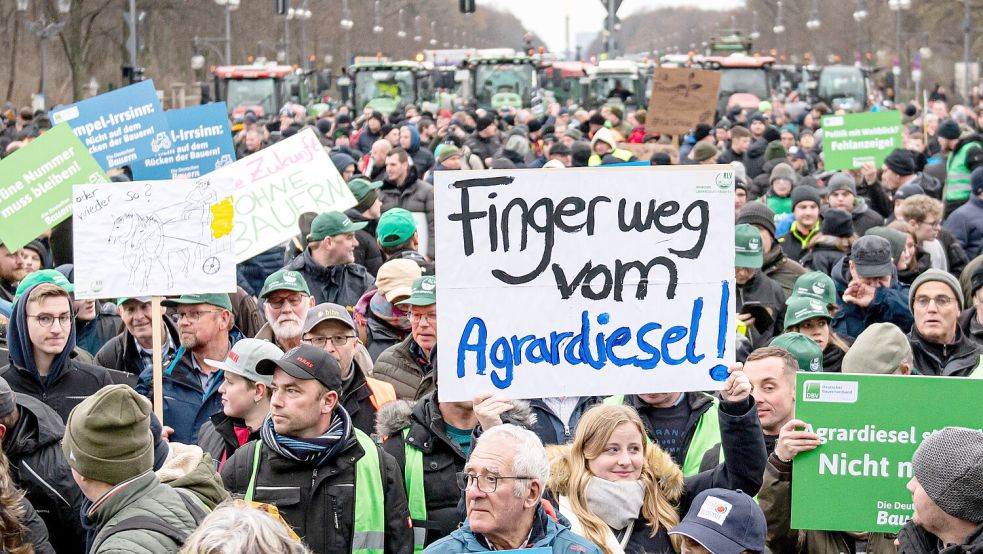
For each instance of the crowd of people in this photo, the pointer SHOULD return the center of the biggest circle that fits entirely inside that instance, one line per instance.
(302, 412)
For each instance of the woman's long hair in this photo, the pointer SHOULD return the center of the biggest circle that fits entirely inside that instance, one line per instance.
(662, 479)
(13, 533)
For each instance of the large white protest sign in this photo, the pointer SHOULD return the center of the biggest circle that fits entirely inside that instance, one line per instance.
(153, 238)
(590, 281)
(277, 184)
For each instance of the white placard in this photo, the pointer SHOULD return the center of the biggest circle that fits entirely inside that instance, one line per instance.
(277, 184)
(148, 238)
(537, 268)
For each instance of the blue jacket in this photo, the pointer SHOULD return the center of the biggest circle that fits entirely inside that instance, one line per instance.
(890, 305)
(966, 224)
(546, 532)
(186, 406)
(548, 426)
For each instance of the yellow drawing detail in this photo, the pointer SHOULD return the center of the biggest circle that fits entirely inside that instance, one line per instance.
(222, 212)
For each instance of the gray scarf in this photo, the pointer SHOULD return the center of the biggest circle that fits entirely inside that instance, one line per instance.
(617, 503)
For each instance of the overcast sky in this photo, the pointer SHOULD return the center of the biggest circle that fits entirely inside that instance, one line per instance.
(546, 17)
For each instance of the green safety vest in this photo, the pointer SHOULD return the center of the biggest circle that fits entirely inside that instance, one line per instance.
(617, 153)
(415, 493)
(369, 535)
(705, 437)
(957, 185)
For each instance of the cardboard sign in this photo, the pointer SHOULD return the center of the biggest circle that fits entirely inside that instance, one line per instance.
(277, 184)
(681, 98)
(119, 127)
(153, 238)
(36, 184)
(856, 480)
(200, 142)
(588, 281)
(851, 140)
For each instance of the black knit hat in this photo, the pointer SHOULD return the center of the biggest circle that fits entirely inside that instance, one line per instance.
(837, 223)
(701, 131)
(805, 194)
(949, 129)
(758, 213)
(900, 161)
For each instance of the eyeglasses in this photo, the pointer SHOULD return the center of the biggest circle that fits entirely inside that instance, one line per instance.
(45, 320)
(486, 483)
(941, 301)
(294, 300)
(932, 224)
(195, 316)
(417, 318)
(319, 342)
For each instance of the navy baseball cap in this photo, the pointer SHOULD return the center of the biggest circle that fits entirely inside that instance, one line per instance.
(724, 522)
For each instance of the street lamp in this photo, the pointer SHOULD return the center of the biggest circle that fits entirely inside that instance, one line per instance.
(417, 37)
(814, 23)
(755, 35)
(402, 29)
(346, 17)
(779, 27)
(433, 33)
(44, 31)
(898, 6)
(377, 27)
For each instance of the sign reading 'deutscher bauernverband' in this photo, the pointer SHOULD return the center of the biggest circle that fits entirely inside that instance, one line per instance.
(587, 281)
(199, 142)
(118, 127)
(36, 184)
(855, 480)
(851, 140)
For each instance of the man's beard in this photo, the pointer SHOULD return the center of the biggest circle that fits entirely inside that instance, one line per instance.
(289, 329)
(189, 341)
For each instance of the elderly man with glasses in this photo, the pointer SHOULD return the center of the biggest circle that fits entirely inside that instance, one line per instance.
(940, 347)
(286, 302)
(206, 332)
(330, 327)
(406, 364)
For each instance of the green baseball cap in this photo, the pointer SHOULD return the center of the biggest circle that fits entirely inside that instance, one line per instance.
(43, 276)
(362, 187)
(220, 300)
(802, 308)
(802, 348)
(815, 284)
(330, 224)
(424, 292)
(749, 251)
(284, 279)
(396, 226)
(141, 299)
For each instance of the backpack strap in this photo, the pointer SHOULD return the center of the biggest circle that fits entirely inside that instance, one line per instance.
(145, 523)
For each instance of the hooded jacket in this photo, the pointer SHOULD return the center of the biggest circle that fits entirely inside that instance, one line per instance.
(423, 158)
(68, 382)
(864, 218)
(442, 457)
(190, 468)
(415, 196)
(754, 159)
(823, 253)
(890, 305)
(338, 284)
(944, 360)
(38, 466)
(367, 253)
(121, 351)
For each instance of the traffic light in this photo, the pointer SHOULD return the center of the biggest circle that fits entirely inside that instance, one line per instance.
(467, 6)
(281, 6)
(132, 74)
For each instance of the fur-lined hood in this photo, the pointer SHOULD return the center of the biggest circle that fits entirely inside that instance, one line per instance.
(669, 475)
(395, 416)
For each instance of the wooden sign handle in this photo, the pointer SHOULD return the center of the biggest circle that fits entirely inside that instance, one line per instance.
(158, 361)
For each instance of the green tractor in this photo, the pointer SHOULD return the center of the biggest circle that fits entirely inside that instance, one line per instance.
(385, 86)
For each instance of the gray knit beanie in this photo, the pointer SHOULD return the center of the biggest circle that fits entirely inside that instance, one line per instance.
(935, 275)
(949, 466)
(757, 213)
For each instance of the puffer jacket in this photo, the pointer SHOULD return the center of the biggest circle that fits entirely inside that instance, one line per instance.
(415, 196)
(402, 368)
(775, 500)
(318, 501)
(945, 360)
(367, 253)
(190, 468)
(442, 457)
(545, 533)
(143, 495)
(38, 466)
(890, 305)
(781, 269)
(338, 284)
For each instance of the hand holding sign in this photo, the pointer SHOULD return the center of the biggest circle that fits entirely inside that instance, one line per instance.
(489, 409)
(791, 440)
(738, 386)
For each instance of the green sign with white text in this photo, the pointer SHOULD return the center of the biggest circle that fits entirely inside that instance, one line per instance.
(851, 140)
(36, 184)
(870, 426)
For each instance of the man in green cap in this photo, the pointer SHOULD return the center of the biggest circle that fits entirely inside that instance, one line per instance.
(759, 298)
(367, 211)
(328, 263)
(206, 332)
(403, 188)
(405, 365)
(398, 238)
(807, 353)
(286, 300)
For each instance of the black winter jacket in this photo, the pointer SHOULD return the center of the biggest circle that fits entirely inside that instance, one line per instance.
(121, 352)
(338, 284)
(218, 437)
(76, 382)
(367, 253)
(319, 501)
(944, 360)
(768, 293)
(415, 196)
(38, 466)
(914, 539)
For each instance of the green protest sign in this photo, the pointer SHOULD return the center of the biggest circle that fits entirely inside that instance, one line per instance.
(851, 140)
(36, 184)
(870, 426)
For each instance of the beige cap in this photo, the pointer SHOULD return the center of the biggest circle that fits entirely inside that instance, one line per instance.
(395, 279)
